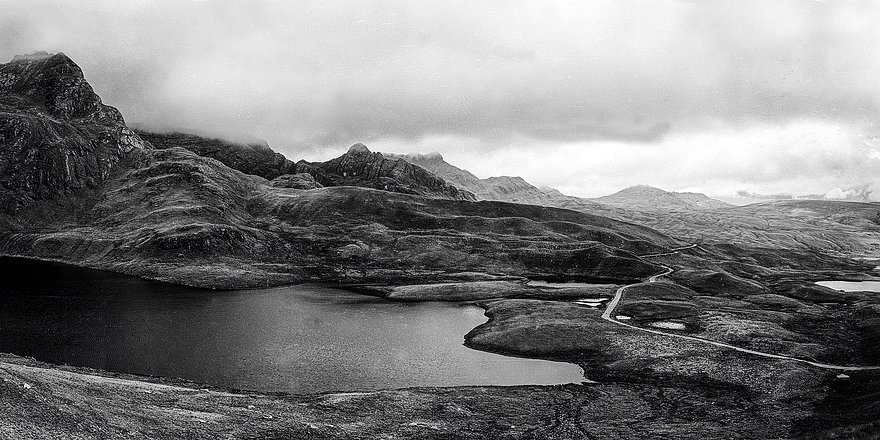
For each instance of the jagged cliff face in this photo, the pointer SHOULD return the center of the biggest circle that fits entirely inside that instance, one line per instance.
(56, 136)
(361, 167)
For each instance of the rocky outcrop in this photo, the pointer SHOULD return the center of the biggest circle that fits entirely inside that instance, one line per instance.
(252, 158)
(56, 136)
(295, 181)
(361, 167)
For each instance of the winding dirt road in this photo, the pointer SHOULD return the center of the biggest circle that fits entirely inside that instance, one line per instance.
(618, 296)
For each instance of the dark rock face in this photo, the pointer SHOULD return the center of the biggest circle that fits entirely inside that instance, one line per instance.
(296, 181)
(56, 136)
(55, 85)
(361, 167)
(254, 158)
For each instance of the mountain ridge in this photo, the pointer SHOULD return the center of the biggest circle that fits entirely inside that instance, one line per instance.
(518, 190)
(361, 167)
(501, 188)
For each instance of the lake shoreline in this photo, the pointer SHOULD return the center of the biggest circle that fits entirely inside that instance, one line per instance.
(302, 339)
(99, 404)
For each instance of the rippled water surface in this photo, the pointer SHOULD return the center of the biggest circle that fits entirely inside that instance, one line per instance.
(296, 339)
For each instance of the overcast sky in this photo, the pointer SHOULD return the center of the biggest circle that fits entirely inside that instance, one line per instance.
(724, 97)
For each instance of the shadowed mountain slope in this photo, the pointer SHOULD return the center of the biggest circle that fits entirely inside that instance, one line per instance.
(253, 158)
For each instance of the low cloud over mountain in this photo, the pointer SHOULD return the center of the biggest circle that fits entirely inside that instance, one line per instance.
(615, 85)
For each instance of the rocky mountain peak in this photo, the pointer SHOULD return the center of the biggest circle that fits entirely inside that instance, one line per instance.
(56, 136)
(38, 55)
(56, 85)
(415, 157)
(359, 148)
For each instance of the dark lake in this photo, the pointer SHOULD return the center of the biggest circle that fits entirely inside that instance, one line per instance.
(296, 339)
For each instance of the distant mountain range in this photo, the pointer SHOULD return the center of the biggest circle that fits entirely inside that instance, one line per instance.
(423, 174)
(517, 190)
(503, 188)
(836, 226)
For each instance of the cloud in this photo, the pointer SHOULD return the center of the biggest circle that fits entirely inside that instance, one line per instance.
(327, 72)
(861, 193)
(864, 192)
(661, 91)
(759, 196)
(798, 158)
